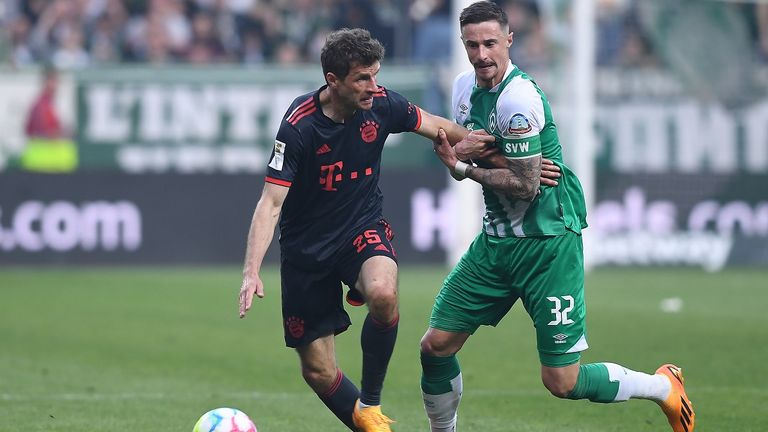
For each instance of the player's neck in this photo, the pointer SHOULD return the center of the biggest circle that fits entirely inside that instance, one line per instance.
(333, 108)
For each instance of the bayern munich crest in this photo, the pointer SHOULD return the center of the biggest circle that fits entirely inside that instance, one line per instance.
(369, 130)
(295, 326)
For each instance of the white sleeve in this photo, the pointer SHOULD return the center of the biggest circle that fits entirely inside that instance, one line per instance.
(462, 90)
(520, 111)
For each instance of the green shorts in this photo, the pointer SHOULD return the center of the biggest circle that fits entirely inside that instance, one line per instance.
(546, 273)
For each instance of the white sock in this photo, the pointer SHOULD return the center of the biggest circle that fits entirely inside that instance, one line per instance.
(442, 409)
(638, 385)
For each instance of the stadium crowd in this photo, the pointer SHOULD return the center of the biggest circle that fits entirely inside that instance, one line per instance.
(71, 34)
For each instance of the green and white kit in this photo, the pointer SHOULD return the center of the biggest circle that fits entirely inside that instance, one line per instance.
(526, 250)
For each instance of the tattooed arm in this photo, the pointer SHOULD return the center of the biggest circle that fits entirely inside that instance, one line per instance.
(478, 146)
(550, 172)
(520, 179)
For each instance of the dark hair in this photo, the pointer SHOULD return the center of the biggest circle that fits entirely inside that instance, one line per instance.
(347, 48)
(483, 11)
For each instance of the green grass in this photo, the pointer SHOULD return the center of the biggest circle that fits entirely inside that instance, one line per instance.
(151, 349)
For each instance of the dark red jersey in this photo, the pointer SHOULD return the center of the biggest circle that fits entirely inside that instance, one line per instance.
(332, 170)
(42, 121)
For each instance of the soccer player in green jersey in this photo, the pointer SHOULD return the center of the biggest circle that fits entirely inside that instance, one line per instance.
(530, 247)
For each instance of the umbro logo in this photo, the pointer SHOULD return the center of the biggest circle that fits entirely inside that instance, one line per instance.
(325, 148)
(560, 338)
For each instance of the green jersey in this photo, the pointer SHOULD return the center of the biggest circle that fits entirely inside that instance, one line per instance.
(517, 113)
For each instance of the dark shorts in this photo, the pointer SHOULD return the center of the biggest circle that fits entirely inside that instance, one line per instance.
(312, 298)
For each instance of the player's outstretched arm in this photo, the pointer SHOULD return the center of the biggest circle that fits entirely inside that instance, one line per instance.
(480, 142)
(480, 149)
(431, 123)
(520, 179)
(259, 237)
(478, 145)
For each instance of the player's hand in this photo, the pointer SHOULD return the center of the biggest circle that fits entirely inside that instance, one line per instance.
(443, 150)
(251, 285)
(477, 145)
(549, 172)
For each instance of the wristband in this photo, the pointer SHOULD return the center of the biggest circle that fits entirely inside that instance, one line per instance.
(461, 168)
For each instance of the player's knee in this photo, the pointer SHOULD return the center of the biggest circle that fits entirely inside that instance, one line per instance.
(382, 299)
(559, 386)
(318, 378)
(435, 347)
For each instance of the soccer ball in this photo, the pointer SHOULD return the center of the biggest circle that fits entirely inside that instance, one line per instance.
(224, 420)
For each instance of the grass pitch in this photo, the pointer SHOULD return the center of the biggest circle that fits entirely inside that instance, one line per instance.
(151, 349)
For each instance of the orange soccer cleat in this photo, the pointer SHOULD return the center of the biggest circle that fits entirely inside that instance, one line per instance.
(677, 407)
(370, 419)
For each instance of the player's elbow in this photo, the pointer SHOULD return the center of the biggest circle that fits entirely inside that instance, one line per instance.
(265, 211)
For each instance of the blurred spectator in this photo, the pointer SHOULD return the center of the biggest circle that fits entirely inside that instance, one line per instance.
(306, 17)
(33, 8)
(48, 148)
(106, 36)
(205, 47)
(70, 53)
(364, 14)
(636, 49)
(315, 44)
(104, 43)
(266, 20)
(178, 30)
(226, 14)
(611, 16)
(531, 48)
(18, 34)
(432, 41)
(159, 34)
(42, 120)
(57, 30)
(253, 47)
(434, 30)
(288, 53)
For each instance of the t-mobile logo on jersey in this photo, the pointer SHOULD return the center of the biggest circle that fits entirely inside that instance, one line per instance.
(331, 175)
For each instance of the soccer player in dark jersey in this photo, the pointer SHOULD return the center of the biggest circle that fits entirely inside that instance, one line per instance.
(322, 182)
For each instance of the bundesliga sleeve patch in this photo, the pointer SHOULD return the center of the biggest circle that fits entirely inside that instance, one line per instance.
(277, 160)
(519, 125)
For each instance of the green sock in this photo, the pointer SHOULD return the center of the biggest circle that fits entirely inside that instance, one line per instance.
(437, 373)
(594, 383)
